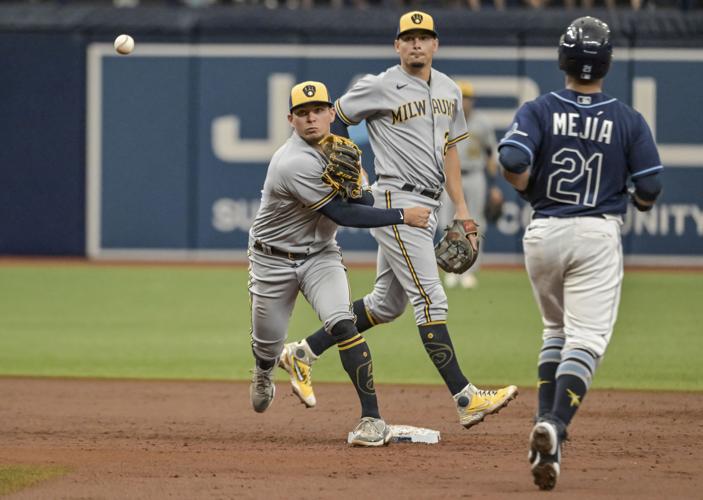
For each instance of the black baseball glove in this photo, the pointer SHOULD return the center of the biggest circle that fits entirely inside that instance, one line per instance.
(456, 251)
(343, 170)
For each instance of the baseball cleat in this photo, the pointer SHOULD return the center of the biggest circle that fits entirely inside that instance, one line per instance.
(262, 390)
(297, 359)
(545, 454)
(473, 404)
(370, 432)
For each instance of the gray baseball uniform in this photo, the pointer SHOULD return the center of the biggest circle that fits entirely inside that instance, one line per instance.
(411, 124)
(293, 248)
(474, 158)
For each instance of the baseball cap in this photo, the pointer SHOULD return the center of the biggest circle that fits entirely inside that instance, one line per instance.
(415, 20)
(467, 90)
(309, 91)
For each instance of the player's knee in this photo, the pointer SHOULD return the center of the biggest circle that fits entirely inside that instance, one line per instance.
(385, 316)
(344, 330)
(386, 310)
(595, 347)
(431, 305)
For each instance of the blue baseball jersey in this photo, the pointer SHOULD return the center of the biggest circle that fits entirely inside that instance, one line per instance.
(583, 149)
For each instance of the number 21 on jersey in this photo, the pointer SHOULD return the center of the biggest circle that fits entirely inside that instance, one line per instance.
(578, 179)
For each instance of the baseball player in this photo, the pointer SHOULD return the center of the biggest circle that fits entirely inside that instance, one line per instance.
(571, 154)
(478, 175)
(414, 118)
(292, 248)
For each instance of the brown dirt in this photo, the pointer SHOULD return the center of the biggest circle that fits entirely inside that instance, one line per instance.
(155, 439)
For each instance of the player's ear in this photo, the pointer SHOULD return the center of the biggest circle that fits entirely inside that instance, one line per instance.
(435, 44)
(290, 119)
(396, 44)
(333, 114)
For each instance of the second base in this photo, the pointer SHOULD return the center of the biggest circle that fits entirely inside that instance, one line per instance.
(410, 434)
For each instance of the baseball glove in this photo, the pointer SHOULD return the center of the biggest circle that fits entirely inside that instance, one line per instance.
(343, 170)
(455, 252)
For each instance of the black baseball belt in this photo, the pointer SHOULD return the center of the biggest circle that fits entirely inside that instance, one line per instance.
(430, 193)
(269, 250)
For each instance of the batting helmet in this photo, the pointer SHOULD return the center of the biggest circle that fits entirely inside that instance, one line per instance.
(585, 50)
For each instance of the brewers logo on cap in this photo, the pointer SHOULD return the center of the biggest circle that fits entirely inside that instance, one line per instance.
(416, 20)
(306, 92)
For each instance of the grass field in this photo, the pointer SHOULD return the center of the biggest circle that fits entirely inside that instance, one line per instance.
(16, 477)
(193, 323)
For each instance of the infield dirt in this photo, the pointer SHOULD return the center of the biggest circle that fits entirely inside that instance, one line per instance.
(174, 439)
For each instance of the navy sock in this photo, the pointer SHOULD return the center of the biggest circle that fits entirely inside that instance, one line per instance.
(265, 364)
(320, 341)
(574, 376)
(549, 359)
(439, 347)
(570, 392)
(363, 318)
(356, 360)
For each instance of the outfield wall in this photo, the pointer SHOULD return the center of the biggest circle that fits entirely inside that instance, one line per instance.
(162, 154)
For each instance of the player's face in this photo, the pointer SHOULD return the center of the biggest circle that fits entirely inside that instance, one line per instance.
(312, 121)
(416, 49)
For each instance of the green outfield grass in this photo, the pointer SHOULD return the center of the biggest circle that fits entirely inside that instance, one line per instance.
(193, 323)
(16, 477)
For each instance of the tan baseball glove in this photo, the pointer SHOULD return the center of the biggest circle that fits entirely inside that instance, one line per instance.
(458, 249)
(343, 170)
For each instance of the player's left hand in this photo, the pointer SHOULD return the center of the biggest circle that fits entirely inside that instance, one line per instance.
(458, 249)
(343, 170)
(640, 204)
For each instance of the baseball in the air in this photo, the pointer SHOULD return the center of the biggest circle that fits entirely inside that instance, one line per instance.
(124, 44)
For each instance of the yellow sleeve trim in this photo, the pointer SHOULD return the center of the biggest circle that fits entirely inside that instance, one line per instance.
(460, 138)
(342, 116)
(324, 200)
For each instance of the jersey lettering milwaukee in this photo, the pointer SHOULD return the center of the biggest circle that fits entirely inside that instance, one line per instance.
(411, 123)
(583, 149)
(419, 108)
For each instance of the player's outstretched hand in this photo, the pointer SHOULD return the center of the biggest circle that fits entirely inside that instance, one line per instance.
(417, 216)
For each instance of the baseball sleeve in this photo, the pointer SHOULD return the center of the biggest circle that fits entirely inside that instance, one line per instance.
(525, 132)
(364, 99)
(643, 157)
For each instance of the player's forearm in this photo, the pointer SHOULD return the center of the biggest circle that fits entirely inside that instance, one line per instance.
(646, 191)
(455, 190)
(366, 199)
(518, 181)
(515, 165)
(356, 215)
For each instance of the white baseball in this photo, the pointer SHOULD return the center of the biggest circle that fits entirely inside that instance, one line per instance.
(124, 44)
